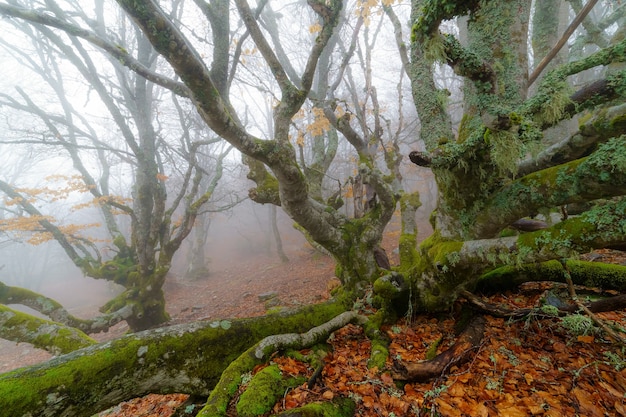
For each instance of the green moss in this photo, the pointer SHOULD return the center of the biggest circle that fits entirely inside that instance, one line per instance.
(385, 288)
(265, 388)
(431, 352)
(593, 274)
(439, 254)
(41, 333)
(83, 376)
(341, 407)
(379, 355)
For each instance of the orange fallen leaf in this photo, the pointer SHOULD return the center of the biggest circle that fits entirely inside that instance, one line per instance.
(586, 339)
(513, 411)
(387, 379)
(528, 378)
(368, 401)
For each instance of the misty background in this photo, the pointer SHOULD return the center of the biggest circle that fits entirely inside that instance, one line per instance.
(36, 76)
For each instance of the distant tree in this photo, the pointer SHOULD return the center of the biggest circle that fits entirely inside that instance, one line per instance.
(156, 146)
(492, 170)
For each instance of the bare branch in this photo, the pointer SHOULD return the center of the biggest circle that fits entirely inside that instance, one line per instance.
(116, 51)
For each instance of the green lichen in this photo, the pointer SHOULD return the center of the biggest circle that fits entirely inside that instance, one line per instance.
(506, 151)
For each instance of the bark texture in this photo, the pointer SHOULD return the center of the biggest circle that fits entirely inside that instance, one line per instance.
(183, 358)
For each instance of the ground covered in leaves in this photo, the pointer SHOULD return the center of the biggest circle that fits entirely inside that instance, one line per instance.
(537, 366)
(540, 365)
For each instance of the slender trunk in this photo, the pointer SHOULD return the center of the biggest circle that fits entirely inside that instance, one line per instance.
(277, 239)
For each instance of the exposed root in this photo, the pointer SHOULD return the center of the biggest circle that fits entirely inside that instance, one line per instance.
(231, 378)
(467, 343)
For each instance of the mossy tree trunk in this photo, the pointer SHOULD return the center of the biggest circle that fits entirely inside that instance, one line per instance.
(487, 176)
(487, 173)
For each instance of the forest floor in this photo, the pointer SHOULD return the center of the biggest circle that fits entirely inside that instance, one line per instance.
(538, 365)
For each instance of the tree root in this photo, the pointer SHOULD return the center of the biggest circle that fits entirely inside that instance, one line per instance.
(221, 395)
(468, 341)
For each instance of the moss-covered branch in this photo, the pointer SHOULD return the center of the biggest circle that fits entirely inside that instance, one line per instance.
(43, 334)
(184, 358)
(601, 227)
(56, 312)
(433, 12)
(552, 102)
(591, 274)
(593, 129)
(467, 64)
(600, 175)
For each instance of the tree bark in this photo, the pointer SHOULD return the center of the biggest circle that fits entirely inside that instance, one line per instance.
(186, 358)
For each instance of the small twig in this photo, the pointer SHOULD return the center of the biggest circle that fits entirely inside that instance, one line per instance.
(318, 372)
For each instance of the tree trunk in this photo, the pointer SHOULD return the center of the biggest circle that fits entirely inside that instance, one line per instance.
(197, 259)
(276, 233)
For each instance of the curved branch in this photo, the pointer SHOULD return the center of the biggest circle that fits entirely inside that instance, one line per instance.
(168, 40)
(56, 312)
(552, 84)
(592, 131)
(601, 227)
(264, 47)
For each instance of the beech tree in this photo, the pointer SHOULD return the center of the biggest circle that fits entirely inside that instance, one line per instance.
(151, 150)
(494, 172)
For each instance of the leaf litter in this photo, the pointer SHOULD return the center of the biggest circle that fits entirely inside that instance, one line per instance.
(525, 367)
(531, 366)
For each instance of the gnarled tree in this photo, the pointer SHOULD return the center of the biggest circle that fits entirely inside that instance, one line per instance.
(493, 170)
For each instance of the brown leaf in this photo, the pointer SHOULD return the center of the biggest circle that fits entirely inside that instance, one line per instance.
(587, 402)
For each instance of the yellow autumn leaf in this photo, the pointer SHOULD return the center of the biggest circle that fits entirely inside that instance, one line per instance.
(315, 28)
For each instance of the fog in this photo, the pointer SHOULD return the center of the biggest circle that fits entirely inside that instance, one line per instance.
(55, 122)
(239, 233)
